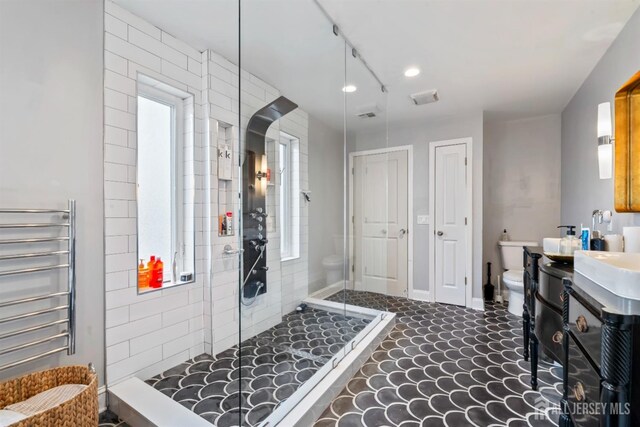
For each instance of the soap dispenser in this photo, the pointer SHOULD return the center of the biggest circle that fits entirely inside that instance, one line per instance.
(569, 243)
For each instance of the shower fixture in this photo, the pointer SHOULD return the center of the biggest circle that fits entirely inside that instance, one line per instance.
(254, 214)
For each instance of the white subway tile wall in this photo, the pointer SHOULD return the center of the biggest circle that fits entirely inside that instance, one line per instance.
(145, 333)
(149, 333)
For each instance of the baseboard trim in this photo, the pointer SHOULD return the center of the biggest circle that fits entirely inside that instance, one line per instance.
(420, 295)
(477, 304)
(327, 291)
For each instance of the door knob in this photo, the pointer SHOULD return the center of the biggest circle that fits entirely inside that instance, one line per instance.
(401, 233)
(581, 324)
(440, 233)
(384, 231)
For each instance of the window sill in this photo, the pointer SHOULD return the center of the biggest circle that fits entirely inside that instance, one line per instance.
(166, 285)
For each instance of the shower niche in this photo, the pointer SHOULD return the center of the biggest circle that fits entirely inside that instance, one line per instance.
(227, 187)
(254, 183)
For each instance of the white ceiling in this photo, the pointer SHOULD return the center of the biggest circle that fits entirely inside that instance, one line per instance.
(509, 58)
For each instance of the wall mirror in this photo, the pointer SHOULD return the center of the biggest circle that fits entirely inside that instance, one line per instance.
(165, 185)
(627, 146)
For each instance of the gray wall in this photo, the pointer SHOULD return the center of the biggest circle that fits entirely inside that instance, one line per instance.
(582, 190)
(521, 182)
(51, 138)
(419, 135)
(326, 182)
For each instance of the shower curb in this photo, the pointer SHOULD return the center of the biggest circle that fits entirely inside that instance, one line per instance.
(346, 365)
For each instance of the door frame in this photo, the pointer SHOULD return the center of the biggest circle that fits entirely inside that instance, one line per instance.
(432, 216)
(410, 232)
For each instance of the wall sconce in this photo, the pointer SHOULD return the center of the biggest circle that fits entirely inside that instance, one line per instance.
(605, 141)
(263, 167)
(263, 175)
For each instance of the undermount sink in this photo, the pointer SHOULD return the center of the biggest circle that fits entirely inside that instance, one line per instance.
(617, 272)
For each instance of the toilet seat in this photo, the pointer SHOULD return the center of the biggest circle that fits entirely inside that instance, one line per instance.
(514, 277)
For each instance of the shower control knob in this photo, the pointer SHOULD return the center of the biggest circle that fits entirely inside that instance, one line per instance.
(258, 214)
(440, 233)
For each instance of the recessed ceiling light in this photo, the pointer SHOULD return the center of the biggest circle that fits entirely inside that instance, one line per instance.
(412, 72)
(349, 88)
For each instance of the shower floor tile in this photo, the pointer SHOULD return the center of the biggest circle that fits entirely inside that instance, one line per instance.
(445, 365)
(249, 382)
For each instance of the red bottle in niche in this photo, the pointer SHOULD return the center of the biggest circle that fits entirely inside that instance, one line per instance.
(159, 267)
(153, 274)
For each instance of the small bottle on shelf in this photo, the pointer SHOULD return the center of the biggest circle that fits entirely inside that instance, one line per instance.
(229, 223)
(143, 275)
(223, 225)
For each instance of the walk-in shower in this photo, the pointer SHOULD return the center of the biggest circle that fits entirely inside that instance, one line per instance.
(262, 335)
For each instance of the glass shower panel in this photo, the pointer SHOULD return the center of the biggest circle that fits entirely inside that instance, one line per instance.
(373, 231)
(293, 205)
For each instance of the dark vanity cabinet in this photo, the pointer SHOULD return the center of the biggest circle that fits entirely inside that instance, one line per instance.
(601, 359)
(549, 309)
(531, 263)
(542, 310)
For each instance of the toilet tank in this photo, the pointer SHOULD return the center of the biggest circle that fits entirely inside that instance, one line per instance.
(511, 253)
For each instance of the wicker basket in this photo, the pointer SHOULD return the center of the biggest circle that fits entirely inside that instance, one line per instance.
(81, 411)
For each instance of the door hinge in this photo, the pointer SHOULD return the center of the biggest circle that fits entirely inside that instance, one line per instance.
(353, 171)
(465, 161)
(465, 220)
(353, 219)
(465, 281)
(353, 268)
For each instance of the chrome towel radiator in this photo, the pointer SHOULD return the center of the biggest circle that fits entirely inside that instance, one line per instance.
(21, 249)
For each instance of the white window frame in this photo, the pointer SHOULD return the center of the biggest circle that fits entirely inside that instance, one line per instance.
(289, 196)
(177, 169)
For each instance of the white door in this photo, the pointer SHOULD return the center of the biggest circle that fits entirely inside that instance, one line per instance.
(380, 219)
(450, 224)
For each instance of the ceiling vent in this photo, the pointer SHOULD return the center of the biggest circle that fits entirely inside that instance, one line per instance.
(426, 97)
(368, 111)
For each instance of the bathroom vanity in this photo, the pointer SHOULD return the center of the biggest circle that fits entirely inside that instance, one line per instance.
(542, 310)
(601, 340)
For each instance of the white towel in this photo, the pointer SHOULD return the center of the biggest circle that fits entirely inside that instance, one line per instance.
(47, 399)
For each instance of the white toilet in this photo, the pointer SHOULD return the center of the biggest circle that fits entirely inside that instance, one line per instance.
(512, 278)
(334, 264)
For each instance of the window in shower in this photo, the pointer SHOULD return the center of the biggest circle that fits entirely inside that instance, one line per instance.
(289, 161)
(164, 188)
